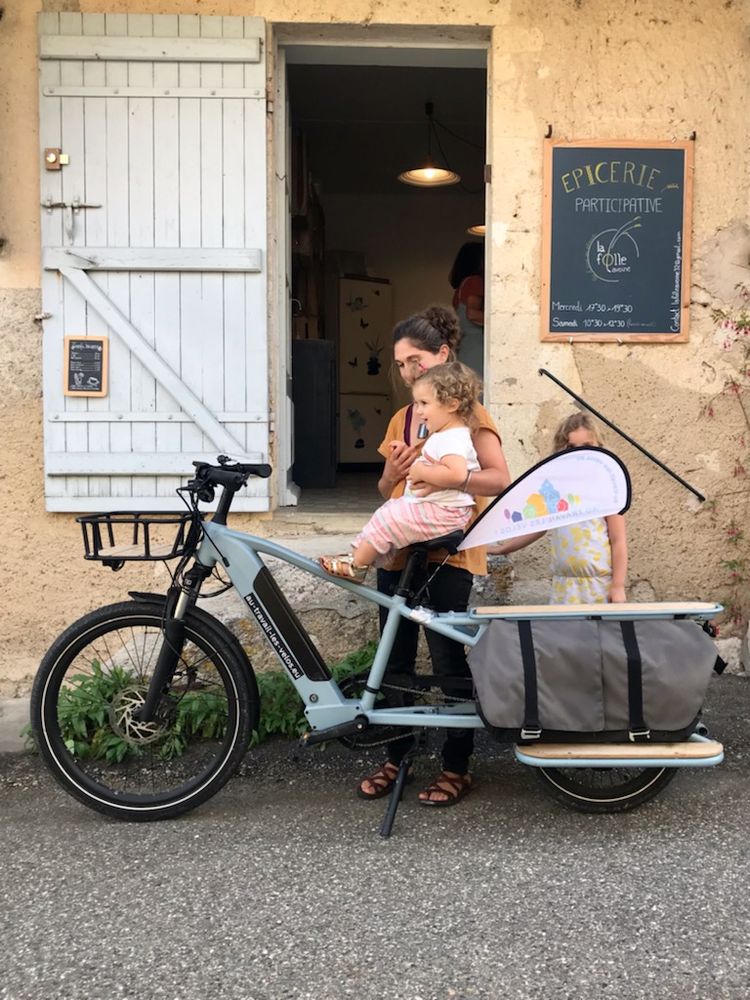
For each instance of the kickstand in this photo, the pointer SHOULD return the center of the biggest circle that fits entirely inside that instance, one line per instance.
(398, 784)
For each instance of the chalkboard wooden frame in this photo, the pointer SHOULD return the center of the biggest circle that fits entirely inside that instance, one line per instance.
(590, 319)
(69, 366)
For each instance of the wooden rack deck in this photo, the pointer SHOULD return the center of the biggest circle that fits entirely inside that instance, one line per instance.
(654, 609)
(687, 750)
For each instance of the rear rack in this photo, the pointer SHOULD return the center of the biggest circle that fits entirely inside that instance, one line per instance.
(134, 537)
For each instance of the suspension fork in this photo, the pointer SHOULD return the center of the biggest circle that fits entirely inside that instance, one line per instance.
(179, 602)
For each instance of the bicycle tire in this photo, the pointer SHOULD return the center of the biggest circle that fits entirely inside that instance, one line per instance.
(605, 789)
(97, 672)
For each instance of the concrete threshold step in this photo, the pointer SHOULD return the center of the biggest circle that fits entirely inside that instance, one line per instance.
(315, 544)
(294, 522)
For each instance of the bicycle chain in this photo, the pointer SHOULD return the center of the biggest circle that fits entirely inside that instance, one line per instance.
(417, 691)
(366, 742)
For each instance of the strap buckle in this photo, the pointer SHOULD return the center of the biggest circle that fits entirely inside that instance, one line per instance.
(639, 734)
(531, 733)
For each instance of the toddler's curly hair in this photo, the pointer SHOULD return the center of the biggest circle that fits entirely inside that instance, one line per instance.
(454, 381)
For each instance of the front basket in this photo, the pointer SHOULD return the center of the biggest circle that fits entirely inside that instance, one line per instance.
(134, 537)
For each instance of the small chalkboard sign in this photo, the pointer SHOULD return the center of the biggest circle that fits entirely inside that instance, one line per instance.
(616, 241)
(85, 366)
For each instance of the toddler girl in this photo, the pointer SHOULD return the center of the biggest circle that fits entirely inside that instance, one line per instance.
(444, 398)
(589, 560)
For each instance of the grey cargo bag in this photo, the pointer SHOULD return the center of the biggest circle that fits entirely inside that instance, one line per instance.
(591, 681)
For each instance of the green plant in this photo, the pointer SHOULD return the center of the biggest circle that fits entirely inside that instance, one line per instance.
(201, 715)
(84, 711)
(737, 569)
(734, 325)
(282, 712)
(84, 717)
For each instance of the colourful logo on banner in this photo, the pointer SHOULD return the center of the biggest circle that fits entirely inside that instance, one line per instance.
(547, 500)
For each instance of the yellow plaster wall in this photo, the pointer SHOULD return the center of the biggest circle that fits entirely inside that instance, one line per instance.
(633, 69)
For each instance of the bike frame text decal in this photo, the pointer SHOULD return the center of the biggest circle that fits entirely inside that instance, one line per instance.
(279, 647)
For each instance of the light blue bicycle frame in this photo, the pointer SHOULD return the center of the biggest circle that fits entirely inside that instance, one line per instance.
(325, 706)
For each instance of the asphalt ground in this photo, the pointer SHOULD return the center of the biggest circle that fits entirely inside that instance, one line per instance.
(280, 887)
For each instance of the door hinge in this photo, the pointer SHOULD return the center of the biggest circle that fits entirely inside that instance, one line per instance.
(488, 173)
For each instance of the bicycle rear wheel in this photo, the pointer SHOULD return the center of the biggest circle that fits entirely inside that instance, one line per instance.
(604, 789)
(94, 678)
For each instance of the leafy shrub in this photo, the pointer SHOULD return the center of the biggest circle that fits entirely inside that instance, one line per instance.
(84, 711)
(281, 709)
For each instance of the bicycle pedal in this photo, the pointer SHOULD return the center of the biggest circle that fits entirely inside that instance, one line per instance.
(352, 728)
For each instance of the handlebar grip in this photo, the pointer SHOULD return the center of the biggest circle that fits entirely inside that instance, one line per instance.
(231, 475)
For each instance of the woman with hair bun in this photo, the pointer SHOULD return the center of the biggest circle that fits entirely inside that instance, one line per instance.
(421, 342)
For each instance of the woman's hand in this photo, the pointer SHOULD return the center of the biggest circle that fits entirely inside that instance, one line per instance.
(422, 489)
(447, 474)
(417, 483)
(416, 474)
(397, 465)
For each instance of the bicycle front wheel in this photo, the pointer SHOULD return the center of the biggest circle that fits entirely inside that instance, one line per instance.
(604, 789)
(84, 705)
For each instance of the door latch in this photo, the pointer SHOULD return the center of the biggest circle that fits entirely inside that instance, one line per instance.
(71, 209)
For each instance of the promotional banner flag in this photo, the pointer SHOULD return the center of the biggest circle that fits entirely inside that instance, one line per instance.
(566, 488)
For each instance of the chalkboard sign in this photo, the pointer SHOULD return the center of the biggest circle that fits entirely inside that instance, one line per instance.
(85, 366)
(616, 241)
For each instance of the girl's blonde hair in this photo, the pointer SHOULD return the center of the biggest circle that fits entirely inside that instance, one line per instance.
(454, 381)
(575, 422)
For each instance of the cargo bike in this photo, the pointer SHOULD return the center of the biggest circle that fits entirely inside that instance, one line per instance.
(144, 709)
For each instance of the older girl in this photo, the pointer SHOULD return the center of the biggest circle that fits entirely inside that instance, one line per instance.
(589, 560)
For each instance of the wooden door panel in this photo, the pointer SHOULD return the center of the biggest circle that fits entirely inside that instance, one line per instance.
(169, 138)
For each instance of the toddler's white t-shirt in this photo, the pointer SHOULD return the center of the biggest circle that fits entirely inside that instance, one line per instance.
(456, 441)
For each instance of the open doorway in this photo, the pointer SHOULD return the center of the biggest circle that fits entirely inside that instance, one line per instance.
(367, 249)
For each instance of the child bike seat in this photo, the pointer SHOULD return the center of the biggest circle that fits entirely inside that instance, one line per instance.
(449, 542)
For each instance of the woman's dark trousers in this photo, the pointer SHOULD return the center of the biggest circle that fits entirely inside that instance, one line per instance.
(448, 590)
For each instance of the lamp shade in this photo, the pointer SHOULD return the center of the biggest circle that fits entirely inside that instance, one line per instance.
(429, 176)
(480, 230)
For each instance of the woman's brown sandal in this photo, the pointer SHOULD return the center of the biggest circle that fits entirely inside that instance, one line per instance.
(453, 786)
(343, 566)
(382, 781)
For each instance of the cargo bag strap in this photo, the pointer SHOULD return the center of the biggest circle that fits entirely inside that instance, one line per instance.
(711, 630)
(639, 731)
(531, 730)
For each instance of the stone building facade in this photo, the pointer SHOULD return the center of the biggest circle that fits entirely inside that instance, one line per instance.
(590, 69)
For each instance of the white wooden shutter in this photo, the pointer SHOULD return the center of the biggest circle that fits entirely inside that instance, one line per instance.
(163, 119)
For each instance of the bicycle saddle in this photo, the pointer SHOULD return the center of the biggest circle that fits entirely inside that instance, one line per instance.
(450, 542)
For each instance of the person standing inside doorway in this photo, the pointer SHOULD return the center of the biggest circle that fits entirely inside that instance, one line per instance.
(467, 281)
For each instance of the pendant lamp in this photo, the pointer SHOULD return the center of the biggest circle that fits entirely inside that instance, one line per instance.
(429, 174)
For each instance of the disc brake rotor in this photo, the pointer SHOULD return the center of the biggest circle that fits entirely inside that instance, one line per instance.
(122, 719)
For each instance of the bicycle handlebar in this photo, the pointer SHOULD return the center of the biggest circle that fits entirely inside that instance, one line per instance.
(231, 476)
